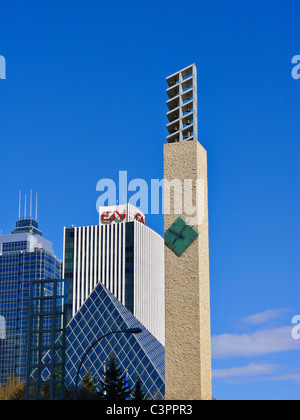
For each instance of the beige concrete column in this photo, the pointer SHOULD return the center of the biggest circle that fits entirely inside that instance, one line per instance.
(187, 285)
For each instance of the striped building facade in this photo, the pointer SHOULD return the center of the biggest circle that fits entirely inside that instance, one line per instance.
(125, 256)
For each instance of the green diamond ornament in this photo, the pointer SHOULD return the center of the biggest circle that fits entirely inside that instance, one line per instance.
(180, 236)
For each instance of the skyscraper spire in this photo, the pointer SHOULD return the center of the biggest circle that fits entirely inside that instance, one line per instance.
(20, 199)
(27, 224)
(36, 206)
(30, 212)
(25, 205)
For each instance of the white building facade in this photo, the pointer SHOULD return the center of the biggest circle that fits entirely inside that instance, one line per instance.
(126, 256)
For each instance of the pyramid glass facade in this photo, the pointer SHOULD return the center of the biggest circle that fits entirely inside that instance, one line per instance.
(138, 355)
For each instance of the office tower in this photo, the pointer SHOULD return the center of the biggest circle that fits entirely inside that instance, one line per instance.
(25, 256)
(47, 318)
(2, 341)
(188, 337)
(125, 256)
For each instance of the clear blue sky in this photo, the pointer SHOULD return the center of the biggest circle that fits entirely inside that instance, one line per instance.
(85, 98)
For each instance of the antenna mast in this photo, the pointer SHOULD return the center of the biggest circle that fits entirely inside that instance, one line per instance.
(30, 203)
(36, 206)
(20, 198)
(25, 206)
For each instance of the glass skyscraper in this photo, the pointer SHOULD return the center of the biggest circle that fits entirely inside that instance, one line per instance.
(46, 340)
(25, 256)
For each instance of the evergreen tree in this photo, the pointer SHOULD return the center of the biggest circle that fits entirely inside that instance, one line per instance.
(89, 385)
(138, 393)
(114, 384)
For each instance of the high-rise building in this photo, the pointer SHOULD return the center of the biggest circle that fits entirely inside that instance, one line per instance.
(25, 256)
(115, 273)
(47, 317)
(124, 255)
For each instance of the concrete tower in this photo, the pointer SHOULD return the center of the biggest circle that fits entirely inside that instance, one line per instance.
(187, 286)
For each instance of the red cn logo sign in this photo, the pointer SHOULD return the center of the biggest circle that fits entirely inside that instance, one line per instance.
(140, 218)
(111, 216)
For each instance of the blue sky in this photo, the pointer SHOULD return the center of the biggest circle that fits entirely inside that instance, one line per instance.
(85, 98)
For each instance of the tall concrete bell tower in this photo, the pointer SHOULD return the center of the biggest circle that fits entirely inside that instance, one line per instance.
(187, 283)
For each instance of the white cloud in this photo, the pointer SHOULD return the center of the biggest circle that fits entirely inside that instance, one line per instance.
(255, 344)
(264, 317)
(255, 372)
(245, 371)
(295, 377)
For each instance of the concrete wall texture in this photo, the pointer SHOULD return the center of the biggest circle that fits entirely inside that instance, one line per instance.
(187, 288)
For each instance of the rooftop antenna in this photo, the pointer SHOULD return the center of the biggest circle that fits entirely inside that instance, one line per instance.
(36, 206)
(30, 203)
(20, 198)
(25, 206)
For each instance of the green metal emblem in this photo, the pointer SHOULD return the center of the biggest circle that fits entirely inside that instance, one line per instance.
(180, 236)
